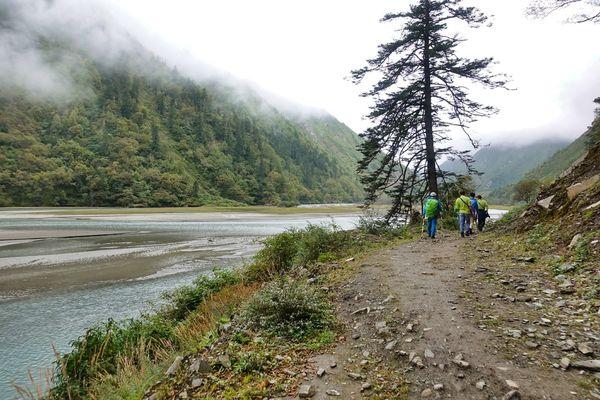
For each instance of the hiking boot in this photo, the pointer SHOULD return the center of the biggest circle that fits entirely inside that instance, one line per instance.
(462, 234)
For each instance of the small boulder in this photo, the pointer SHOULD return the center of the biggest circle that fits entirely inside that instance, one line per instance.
(480, 385)
(426, 393)
(592, 365)
(574, 190)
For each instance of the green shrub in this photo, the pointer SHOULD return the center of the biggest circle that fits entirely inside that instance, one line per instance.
(288, 308)
(299, 248)
(186, 299)
(98, 350)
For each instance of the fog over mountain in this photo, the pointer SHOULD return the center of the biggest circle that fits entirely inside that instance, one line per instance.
(291, 51)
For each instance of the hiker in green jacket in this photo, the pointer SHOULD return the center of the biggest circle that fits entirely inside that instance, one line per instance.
(432, 208)
(482, 212)
(462, 206)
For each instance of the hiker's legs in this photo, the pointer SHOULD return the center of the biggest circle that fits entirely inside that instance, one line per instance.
(462, 223)
(466, 224)
(431, 226)
(481, 221)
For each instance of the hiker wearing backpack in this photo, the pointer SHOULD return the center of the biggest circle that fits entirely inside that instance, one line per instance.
(432, 209)
(474, 212)
(462, 206)
(482, 211)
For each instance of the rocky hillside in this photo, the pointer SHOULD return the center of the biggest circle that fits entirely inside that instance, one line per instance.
(572, 201)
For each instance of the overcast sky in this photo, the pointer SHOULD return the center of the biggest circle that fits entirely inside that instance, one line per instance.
(304, 50)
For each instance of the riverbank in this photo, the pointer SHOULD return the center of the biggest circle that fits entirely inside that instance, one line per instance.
(190, 318)
(67, 285)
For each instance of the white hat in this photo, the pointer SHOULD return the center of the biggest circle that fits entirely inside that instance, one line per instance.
(433, 194)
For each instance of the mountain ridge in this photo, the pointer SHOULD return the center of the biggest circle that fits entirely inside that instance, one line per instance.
(134, 132)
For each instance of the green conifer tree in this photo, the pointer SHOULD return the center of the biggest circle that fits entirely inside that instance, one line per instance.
(421, 93)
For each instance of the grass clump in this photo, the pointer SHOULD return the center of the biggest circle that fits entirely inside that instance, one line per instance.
(288, 308)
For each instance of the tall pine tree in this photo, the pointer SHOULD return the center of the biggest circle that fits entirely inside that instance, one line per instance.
(420, 95)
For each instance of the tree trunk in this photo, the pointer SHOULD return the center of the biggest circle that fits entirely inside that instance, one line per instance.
(429, 146)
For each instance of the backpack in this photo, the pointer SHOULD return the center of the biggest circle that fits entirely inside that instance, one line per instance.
(432, 207)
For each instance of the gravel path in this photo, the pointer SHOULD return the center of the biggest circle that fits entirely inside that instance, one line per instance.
(412, 334)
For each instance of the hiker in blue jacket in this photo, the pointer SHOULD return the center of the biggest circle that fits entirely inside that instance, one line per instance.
(474, 212)
(432, 209)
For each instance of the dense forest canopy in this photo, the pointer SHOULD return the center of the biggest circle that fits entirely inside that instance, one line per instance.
(133, 132)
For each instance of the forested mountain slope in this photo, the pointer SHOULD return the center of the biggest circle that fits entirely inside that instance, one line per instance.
(133, 132)
(503, 165)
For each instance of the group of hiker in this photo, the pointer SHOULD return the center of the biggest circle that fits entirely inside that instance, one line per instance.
(472, 211)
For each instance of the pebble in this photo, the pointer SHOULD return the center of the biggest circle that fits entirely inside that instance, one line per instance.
(438, 386)
(458, 360)
(584, 348)
(391, 345)
(512, 384)
(531, 345)
(512, 395)
(418, 362)
(565, 362)
(429, 354)
(173, 368)
(426, 393)
(320, 372)
(355, 376)
(332, 392)
(366, 386)
(196, 383)
(480, 385)
(306, 391)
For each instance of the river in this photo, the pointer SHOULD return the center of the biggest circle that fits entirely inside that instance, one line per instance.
(59, 274)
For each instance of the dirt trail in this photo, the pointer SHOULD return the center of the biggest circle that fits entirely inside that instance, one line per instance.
(409, 318)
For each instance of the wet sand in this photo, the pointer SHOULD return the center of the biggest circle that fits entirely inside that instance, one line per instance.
(14, 235)
(44, 251)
